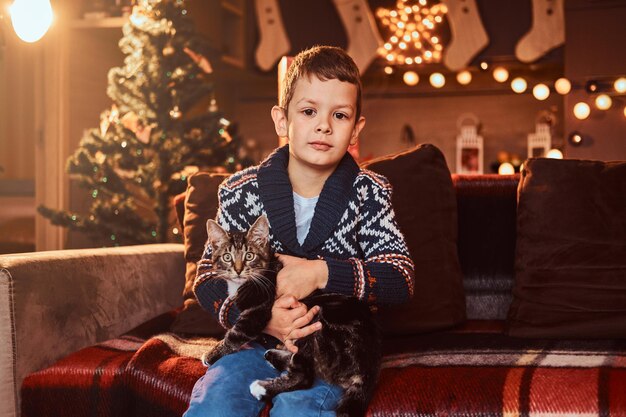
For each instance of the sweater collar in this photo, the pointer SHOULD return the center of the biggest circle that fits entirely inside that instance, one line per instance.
(276, 194)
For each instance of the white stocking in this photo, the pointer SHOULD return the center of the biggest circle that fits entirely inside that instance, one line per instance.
(363, 36)
(468, 34)
(274, 42)
(547, 31)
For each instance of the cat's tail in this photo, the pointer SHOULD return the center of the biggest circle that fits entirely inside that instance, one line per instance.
(354, 401)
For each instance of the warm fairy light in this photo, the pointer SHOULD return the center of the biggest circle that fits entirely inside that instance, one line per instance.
(500, 74)
(562, 86)
(484, 65)
(582, 110)
(464, 77)
(506, 168)
(31, 18)
(437, 80)
(603, 102)
(519, 85)
(411, 29)
(541, 92)
(388, 70)
(554, 154)
(620, 85)
(410, 78)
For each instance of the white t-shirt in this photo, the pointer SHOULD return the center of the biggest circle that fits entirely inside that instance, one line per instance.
(304, 208)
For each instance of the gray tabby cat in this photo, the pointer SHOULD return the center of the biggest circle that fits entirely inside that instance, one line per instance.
(345, 352)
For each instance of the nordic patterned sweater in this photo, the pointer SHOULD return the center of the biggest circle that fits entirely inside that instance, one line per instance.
(353, 229)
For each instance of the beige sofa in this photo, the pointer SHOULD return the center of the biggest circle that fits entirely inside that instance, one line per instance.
(54, 303)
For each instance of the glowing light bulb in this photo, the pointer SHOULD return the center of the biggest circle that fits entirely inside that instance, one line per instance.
(464, 77)
(31, 18)
(603, 102)
(388, 70)
(437, 80)
(519, 85)
(582, 110)
(541, 92)
(620, 85)
(410, 78)
(562, 86)
(500, 74)
(506, 168)
(554, 154)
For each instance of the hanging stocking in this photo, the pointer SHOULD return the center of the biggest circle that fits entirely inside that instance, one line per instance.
(547, 31)
(363, 37)
(468, 34)
(274, 42)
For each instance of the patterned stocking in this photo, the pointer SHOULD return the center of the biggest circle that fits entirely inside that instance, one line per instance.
(547, 31)
(363, 37)
(468, 34)
(274, 42)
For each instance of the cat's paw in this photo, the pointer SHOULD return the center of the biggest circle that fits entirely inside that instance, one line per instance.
(257, 390)
(209, 358)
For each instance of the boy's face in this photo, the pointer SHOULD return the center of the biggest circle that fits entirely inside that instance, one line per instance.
(320, 124)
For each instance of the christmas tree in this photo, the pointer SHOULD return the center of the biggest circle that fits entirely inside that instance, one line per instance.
(163, 126)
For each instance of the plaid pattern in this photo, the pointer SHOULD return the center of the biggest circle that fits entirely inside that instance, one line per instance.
(474, 370)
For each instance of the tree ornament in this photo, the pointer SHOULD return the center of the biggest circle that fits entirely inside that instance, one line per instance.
(213, 106)
(175, 113)
(168, 50)
(200, 61)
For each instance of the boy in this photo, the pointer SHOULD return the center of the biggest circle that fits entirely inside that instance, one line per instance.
(331, 225)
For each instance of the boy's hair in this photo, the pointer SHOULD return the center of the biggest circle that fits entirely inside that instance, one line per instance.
(326, 63)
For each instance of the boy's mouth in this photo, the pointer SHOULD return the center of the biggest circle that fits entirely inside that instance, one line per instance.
(320, 146)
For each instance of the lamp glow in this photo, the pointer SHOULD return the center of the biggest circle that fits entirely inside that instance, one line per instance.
(437, 80)
(620, 85)
(464, 77)
(554, 154)
(500, 74)
(541, 92)
(563, 86)
(519, 85)
(410, 78)
(506, 168)
(31, 18)
(582, 110)
(603, 102)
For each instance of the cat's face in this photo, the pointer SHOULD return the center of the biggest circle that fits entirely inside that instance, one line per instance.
(237, 256)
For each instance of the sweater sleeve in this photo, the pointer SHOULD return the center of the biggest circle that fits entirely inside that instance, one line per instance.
(385, 275)
(212, 293)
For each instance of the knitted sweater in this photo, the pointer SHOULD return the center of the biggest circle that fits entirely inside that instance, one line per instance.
(353, 229)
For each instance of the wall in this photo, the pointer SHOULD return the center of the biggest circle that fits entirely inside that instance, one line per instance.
(596, 38)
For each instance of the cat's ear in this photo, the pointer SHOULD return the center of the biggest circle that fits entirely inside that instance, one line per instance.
(217, 236)
(259, 232)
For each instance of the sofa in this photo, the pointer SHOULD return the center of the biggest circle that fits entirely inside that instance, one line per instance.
(116, 332)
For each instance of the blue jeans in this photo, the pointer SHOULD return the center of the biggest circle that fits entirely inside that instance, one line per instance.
(225, 390)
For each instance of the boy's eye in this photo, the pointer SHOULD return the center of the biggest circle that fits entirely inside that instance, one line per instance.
(308, 112)
(249, 256)
(341, 116)
(227, 257)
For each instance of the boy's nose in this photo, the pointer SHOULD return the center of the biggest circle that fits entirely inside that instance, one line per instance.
(323, 128)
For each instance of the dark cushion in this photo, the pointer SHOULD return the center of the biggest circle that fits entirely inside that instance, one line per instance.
(571, 250)
(425, 205)
(200, 205)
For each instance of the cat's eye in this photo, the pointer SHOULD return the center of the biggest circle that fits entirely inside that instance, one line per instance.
(227, 257)
(249, 256)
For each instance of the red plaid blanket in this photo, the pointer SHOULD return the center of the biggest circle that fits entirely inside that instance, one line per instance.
(472, 371)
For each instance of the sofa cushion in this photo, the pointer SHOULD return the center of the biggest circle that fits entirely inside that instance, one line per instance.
(571, 250)
(425, 205)
(200, 205)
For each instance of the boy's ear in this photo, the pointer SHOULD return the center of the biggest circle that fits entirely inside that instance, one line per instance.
(358, 126)
(280, 121)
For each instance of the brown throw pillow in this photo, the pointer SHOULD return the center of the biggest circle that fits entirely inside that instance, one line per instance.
(425, 205)
(200, 205)
(571, 250)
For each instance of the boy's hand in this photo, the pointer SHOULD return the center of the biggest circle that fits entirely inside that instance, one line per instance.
(290, 320)
(299, 276)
